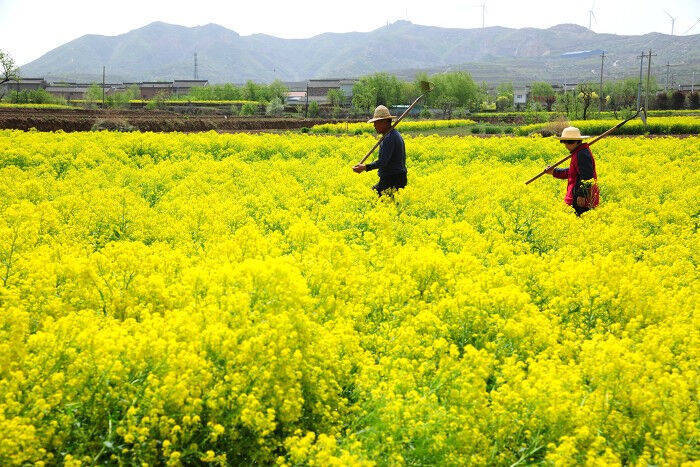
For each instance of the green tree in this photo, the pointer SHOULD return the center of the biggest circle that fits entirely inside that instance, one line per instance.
(568, 104)
(93, 94)
(504, 96)
(377, 89)
(336, 97)
(277, 89)
(253, 91)
(544, 92)
(587, 95)
(8, 70)
(455, 89)
(409, 92)
(134, 91)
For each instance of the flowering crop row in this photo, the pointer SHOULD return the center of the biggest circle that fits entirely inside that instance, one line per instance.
(10, 105)
(179, 299)
(654, 126)
(416, 125)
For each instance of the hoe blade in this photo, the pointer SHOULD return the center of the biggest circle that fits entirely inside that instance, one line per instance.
(426, 86)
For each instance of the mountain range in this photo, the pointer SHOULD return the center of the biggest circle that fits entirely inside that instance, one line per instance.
(161, 51)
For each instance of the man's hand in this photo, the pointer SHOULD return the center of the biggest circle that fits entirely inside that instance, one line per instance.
(359, 168)
(549, 170)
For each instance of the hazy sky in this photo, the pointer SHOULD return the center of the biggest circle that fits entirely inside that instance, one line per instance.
(29, 29)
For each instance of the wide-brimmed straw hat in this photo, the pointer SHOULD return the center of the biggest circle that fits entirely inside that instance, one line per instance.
(381, 113)
(571, 133)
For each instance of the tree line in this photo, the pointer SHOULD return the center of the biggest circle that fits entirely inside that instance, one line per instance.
(457, 93)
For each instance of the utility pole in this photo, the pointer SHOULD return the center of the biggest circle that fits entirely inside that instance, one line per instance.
(103, 87)
(307, 98)
(195, 66)
(646, 99)
(639, 85)
(600, 98)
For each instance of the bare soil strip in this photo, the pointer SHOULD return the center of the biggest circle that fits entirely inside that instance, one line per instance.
(83, 120)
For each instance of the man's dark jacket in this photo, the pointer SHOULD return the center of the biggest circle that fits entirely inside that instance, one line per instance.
(392, 156)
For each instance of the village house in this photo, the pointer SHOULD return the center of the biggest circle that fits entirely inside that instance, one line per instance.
(182, 87)
(318, 89)
(23, 84)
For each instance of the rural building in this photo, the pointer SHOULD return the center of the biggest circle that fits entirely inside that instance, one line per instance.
(520, 97)
(296, 85)
(149, 89)
(318, 89)
(68, 91)
(76, 91)
(23, 84)
(181, 87)
(295, 98)
(688, 88)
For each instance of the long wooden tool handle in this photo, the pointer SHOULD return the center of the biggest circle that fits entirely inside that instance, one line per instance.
(392, 127)
(545, 171)
(595, 140)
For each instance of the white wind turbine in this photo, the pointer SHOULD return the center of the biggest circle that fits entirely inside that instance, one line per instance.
(591, 16)
(673, 20)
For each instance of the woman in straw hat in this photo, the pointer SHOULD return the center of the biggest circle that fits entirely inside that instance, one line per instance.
(391, 163)
(582, 185)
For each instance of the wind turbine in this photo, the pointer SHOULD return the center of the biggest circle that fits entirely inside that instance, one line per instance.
(673, 20)
(483, 14)
(696, 23)
(591, 16)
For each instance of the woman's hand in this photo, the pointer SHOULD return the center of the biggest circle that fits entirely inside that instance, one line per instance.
(581, 201)
(359, 168)
(549, 170)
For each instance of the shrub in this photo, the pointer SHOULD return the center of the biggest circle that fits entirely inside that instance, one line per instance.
(313, 109)
(678, 100)
(274, 107)
(425, 113)
(662, 101)
(248, 110)
(112, 125)
(460, 113)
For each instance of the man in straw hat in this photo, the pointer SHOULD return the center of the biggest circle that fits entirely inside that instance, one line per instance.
(582, 185)
(391, 163)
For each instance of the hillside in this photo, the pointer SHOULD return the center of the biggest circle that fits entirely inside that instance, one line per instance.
(165, 51)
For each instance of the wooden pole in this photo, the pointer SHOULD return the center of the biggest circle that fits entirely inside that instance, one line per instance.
(392, 127)
(593, 141)
(103, 87)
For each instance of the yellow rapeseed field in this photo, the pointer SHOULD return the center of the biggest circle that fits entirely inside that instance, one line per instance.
(180, 299)
(410, 125)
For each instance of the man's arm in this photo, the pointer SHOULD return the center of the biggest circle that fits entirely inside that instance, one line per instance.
(385, 151)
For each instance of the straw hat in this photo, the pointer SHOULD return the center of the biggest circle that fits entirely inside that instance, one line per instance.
(381, 113)
(571, 133)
